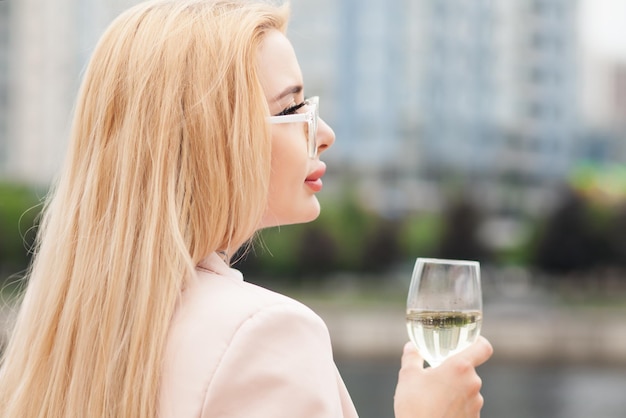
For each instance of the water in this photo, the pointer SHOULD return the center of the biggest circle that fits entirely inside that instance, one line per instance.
(510, 390)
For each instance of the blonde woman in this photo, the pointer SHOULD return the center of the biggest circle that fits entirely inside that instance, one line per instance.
(191, 133)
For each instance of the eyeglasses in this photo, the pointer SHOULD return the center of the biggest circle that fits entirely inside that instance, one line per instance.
(311, 116)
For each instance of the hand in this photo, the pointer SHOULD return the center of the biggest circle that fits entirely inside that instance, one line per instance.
(451, 390)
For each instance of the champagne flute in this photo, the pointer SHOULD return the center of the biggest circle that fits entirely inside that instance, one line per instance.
(444, 307)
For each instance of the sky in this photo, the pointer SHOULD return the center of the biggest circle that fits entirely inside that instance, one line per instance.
(603, 26)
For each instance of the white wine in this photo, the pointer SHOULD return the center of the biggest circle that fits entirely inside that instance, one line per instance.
(439, 334)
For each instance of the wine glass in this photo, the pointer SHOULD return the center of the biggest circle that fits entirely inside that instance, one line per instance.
(444, 307)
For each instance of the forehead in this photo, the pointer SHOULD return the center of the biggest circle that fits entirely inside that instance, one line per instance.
(278, 68)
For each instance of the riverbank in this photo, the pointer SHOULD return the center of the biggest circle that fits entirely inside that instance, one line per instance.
(523, 334)
(520, 331)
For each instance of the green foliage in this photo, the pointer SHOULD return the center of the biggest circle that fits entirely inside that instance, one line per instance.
(348, 225)
(420, 234)
(599, 215)
(521, 254)
(580, 234)
(274, 251)
(19, 209)
(345, 237)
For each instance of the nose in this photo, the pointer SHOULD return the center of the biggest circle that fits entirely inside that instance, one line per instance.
(325, 136)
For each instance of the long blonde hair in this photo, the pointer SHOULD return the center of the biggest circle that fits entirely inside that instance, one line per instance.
(169, 161)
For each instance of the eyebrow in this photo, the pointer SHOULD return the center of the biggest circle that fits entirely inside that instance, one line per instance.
(289, 90)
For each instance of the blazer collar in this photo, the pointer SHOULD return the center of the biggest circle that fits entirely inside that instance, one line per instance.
(213, 263)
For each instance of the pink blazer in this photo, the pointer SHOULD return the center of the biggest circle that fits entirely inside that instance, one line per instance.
(238, 350)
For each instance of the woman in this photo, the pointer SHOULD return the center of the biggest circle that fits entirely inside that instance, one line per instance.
(187, 139)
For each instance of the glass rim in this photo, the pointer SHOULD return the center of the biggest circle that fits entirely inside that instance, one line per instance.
(449, 261)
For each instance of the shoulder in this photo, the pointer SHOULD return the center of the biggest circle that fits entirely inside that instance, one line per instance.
(224, 324)
(214, 308)
(279, 363)
(235, 301)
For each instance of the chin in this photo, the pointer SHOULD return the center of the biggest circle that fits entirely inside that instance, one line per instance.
(310, 217)
(301, 215)
(314, 212)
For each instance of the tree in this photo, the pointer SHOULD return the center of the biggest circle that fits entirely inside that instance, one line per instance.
(19, 210)
(568, 241)
(460, 236)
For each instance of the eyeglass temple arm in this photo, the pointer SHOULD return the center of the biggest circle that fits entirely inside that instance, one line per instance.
(300, 117)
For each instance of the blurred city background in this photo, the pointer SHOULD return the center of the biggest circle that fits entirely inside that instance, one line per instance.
(492, 130)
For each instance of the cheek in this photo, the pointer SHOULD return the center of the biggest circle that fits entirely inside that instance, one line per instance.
(287, 193)
(288, 166)
(289, 199)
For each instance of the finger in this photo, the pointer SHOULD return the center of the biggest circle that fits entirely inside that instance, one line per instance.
(479, 352)
(411, 356)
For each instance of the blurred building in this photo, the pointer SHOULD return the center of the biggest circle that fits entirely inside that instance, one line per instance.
(604, 105)
(43, 48)
(421, 93)
(362, 58)
(533, 117)
(42, 76)
(426, 90)
(4, 79)
(352, 53)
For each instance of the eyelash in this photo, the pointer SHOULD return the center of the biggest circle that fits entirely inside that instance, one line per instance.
(292, 109)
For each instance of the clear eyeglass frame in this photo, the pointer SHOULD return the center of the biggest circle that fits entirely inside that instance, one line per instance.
(310, 116)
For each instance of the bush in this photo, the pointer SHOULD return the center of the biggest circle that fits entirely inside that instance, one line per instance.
(420, 235)
(572, 238)
(19, 210)
(460, 233)
(345, 237)
(617, 237)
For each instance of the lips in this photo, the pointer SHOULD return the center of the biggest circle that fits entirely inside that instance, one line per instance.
(314, 179)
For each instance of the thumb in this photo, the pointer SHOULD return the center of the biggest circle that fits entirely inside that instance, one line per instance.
(477, 353)
(411, 357)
